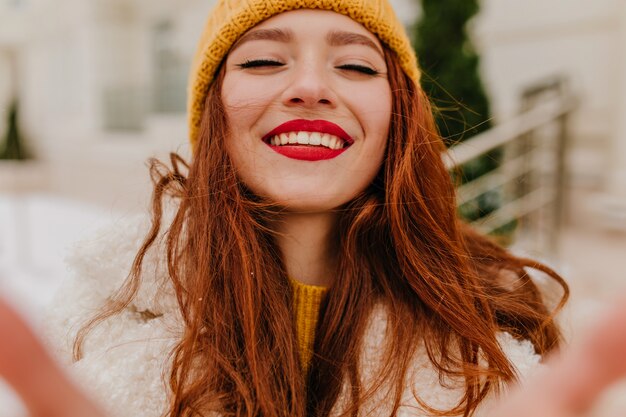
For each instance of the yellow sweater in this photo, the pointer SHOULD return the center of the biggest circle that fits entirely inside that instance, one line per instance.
(306, 300)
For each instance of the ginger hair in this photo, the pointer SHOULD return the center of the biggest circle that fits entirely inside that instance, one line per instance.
(401, 244)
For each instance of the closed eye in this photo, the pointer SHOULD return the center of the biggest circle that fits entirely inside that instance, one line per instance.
(257, 63)
(359, 68)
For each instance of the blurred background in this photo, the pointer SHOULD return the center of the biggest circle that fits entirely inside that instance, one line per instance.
(531, 97)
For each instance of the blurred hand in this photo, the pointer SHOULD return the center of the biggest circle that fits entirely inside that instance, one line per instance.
(33, 374)
(573, 381)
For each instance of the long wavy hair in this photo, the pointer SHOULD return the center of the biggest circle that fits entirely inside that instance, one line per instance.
(445, 287)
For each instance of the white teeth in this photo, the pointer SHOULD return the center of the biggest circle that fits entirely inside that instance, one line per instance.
(315, 138)
(307, 138)
(303, 138)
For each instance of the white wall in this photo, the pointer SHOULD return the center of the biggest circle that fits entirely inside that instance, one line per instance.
(6, 82)
(617, 161)
(80, 48)
(522, 42)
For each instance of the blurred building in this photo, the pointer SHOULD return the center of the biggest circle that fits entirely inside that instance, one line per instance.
(524, 42)
(101, 83)
(101, 86)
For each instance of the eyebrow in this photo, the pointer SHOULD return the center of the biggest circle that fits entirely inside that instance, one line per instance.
(279, 35)
(341, 38)
(334, 38)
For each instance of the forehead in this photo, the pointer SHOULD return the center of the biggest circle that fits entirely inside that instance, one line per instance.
(304, 24)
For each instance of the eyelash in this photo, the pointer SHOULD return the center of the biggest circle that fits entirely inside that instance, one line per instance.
(359, 68)
(256, 63)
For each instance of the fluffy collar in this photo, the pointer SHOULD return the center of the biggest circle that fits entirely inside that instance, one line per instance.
(125, 363)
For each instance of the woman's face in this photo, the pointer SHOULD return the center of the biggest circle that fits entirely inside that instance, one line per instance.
(308, 104)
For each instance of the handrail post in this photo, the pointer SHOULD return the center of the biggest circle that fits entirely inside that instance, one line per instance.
(560, 212)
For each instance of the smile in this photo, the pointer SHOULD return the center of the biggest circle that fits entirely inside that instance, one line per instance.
(308, 140)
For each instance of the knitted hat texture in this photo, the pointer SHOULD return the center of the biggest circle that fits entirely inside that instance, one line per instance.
(230, 19)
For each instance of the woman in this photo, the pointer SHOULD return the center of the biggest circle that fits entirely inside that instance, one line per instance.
(314, 264)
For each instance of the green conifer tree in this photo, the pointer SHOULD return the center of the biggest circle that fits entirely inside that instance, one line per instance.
(452, 80)
(12, 146)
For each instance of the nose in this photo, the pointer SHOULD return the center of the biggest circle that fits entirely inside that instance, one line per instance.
(309, 88)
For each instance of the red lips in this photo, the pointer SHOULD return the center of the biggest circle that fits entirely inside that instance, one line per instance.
(308, 152)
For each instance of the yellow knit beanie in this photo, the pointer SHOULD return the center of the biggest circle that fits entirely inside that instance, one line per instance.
(232, 18)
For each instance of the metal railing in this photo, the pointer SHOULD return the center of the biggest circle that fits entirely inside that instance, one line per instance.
(530, 181)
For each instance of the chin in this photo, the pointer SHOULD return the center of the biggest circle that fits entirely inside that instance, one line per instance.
(303, 197)
(309, 201)
(309, 205)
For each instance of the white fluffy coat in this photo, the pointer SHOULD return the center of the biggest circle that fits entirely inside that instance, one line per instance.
(126, 359)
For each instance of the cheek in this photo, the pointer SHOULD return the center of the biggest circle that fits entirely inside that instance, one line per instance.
(243, 102)
(375, 110)
(247, 93)
(243, 109)
(371, 106)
